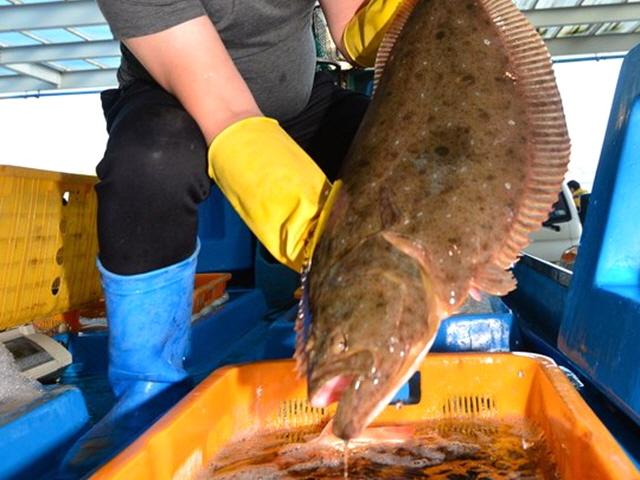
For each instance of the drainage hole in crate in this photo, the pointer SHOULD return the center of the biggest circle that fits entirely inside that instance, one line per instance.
(298, 412)
(59, 256)
(66, 197)
(469, 405)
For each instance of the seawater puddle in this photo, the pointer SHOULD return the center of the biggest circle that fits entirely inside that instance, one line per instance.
(439, 450)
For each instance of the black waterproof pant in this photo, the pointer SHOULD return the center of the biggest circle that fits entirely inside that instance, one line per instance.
(154, 171)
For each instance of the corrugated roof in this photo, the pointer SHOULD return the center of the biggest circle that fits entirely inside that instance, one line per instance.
(66, 45)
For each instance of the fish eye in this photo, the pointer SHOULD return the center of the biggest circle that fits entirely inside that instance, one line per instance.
(340, 344)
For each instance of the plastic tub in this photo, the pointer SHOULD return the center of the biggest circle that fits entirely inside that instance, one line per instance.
(236, 401)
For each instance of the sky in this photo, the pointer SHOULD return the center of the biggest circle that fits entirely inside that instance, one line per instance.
(587, 89)
(67, 133)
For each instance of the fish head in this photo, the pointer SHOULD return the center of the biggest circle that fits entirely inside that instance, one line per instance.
(365, 340)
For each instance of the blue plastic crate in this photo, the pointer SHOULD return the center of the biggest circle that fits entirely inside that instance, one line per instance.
(214, 336)
(488, 331)
(468, 332)
(600, 329)
(33, 439)
(226, 242)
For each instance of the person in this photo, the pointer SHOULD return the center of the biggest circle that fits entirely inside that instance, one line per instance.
(576, 191)
(209, 90)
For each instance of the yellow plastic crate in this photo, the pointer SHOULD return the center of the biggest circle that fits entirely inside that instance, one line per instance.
(48, 245)
(267, 396)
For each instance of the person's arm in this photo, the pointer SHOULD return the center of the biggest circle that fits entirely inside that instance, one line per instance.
(190, 61)
(338, 14)
(277, 189)
(358, 27)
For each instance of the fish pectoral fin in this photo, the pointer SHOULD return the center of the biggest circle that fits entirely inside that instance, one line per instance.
(406, 245)
(416, 251)
(390, 37)
(493, 280)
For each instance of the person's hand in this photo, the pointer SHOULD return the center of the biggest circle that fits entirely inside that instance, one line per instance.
(364, 32)
(276, 188)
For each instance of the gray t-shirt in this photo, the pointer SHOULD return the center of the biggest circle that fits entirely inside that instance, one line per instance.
(270, 41)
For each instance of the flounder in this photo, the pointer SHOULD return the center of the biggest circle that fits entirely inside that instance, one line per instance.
(459, 157)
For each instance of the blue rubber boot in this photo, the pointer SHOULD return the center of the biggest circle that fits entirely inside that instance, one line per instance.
(149, 318)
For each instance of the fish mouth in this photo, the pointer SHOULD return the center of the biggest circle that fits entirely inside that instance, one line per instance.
(361, 402)
(360, 394)
(331, 391)
(359, 399)
(328, 381)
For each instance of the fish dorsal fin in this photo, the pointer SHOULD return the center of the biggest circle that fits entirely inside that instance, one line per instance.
(300, 355)
(494, 280)
(303, 325)
(388, 41)
(549, 143)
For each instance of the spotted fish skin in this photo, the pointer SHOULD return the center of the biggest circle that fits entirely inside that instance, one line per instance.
(459, 157)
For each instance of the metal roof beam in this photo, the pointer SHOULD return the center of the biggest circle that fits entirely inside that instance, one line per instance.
(583, 14)
(49, 75)
(50, 15)
(21, 83)
(103, 78)
(86, 12)
(59, 51)
(611, 43)
(95, 79)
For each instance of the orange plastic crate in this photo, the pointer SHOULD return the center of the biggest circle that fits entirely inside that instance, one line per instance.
(267, 396)
(209, 287)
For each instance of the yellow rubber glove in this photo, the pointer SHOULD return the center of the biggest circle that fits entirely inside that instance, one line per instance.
(275, 187)
(364, 33)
